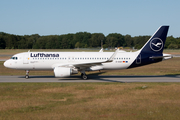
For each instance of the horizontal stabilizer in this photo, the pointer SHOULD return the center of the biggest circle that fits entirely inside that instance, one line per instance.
(165, 57)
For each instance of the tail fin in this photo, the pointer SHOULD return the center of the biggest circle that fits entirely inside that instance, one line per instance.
(155, 44)
(152, 51)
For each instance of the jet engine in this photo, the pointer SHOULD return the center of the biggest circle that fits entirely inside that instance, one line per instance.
(62, 72)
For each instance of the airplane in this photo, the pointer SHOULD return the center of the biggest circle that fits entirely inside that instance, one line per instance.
(65, 64)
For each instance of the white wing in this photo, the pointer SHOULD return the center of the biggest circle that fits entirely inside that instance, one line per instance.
(86, 65)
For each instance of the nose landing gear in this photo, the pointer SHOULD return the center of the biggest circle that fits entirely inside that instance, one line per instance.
(27, 74)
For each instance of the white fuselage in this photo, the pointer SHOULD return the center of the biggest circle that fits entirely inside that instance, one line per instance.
(49, 60)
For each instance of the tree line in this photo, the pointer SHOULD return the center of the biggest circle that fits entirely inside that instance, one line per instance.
(78, 40)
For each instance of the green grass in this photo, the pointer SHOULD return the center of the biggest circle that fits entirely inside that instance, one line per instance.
(126, 101)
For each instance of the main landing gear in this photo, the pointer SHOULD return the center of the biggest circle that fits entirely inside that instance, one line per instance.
(27, 74)
(84, 76)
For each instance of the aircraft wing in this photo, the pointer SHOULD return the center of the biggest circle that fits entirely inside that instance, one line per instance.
(85, 65)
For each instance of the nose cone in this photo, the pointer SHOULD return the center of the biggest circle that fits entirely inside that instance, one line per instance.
(7, 64)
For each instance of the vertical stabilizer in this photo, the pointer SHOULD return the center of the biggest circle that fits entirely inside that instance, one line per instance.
(152, 51)
(155, 44)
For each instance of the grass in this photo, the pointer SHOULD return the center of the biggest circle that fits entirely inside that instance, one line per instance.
(76, 101)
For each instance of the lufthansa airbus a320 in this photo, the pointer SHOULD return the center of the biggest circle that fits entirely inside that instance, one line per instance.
(65, 64)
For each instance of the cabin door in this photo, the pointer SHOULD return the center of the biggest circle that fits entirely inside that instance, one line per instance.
(26, 58)
(138, 59)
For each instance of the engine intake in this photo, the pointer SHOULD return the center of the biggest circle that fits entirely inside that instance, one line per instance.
(62, 72)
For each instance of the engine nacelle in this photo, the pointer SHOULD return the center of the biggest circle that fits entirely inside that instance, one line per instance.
(62, 72)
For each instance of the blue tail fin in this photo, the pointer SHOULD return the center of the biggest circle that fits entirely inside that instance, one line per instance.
(152, 51)
(155, 44)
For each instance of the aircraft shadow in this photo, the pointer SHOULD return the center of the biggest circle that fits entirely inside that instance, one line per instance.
(118, 77)
(104, 78)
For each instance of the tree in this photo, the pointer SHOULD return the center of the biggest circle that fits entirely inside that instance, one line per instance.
(2, 43)
(77, 45)
(139, 41)
(173, 46)
(170, 40)
(95, 40)
(128, 41)
(115, 40)
(80, 39)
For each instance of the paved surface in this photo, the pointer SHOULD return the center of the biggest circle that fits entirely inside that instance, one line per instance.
(92, 78)
(3, 59)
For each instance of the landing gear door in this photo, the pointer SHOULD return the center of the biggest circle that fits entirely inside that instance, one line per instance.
(138, 59)
(26, 58)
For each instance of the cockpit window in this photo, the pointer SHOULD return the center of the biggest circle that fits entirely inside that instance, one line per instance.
(14, 58)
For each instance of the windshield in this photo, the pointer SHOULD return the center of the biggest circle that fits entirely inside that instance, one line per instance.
(14, 58)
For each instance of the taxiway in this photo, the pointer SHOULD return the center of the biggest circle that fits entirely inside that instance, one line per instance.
(93, 78)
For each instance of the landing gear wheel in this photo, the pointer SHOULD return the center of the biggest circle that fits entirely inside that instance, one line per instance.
(27, 76)
(84, 76)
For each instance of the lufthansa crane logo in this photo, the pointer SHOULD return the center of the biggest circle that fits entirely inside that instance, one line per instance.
(156, 44)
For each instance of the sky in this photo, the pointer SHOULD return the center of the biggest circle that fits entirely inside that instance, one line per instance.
(57, 17)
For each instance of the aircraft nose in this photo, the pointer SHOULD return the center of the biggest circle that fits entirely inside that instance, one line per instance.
(7, 64)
